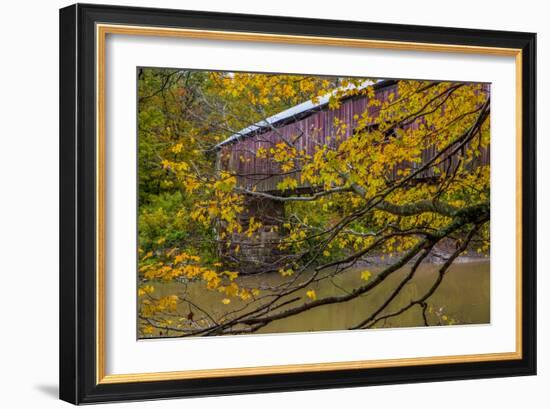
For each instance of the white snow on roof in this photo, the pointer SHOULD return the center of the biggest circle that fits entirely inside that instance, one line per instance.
(291, 112)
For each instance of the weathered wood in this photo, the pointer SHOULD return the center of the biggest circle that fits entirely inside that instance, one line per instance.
(311, 130)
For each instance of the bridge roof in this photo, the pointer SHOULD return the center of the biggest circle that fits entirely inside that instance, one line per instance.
(294, 113)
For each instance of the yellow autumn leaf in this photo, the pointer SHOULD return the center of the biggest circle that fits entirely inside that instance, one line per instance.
(286, 273)
(146, 289)
(231, 274)
(366, 275)
(311, 294)
(177, 148)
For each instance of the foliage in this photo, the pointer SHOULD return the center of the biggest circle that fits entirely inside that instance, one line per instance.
(367, 194)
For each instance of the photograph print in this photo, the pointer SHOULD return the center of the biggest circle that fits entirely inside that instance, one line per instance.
(289, 203)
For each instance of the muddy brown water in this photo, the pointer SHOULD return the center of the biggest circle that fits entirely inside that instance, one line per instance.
(462, 298)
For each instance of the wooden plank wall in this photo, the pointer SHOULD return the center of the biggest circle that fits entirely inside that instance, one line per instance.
(307, 133)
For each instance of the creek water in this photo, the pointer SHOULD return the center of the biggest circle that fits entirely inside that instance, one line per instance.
(462, 298)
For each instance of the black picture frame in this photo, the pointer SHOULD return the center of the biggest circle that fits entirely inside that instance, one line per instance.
(78, 317)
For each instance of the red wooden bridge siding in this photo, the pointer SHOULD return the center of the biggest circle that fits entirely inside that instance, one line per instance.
(315, 129)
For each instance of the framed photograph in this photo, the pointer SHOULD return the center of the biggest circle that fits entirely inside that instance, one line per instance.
(257, 203)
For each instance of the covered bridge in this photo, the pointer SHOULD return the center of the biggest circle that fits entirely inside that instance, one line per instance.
(306, 126)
